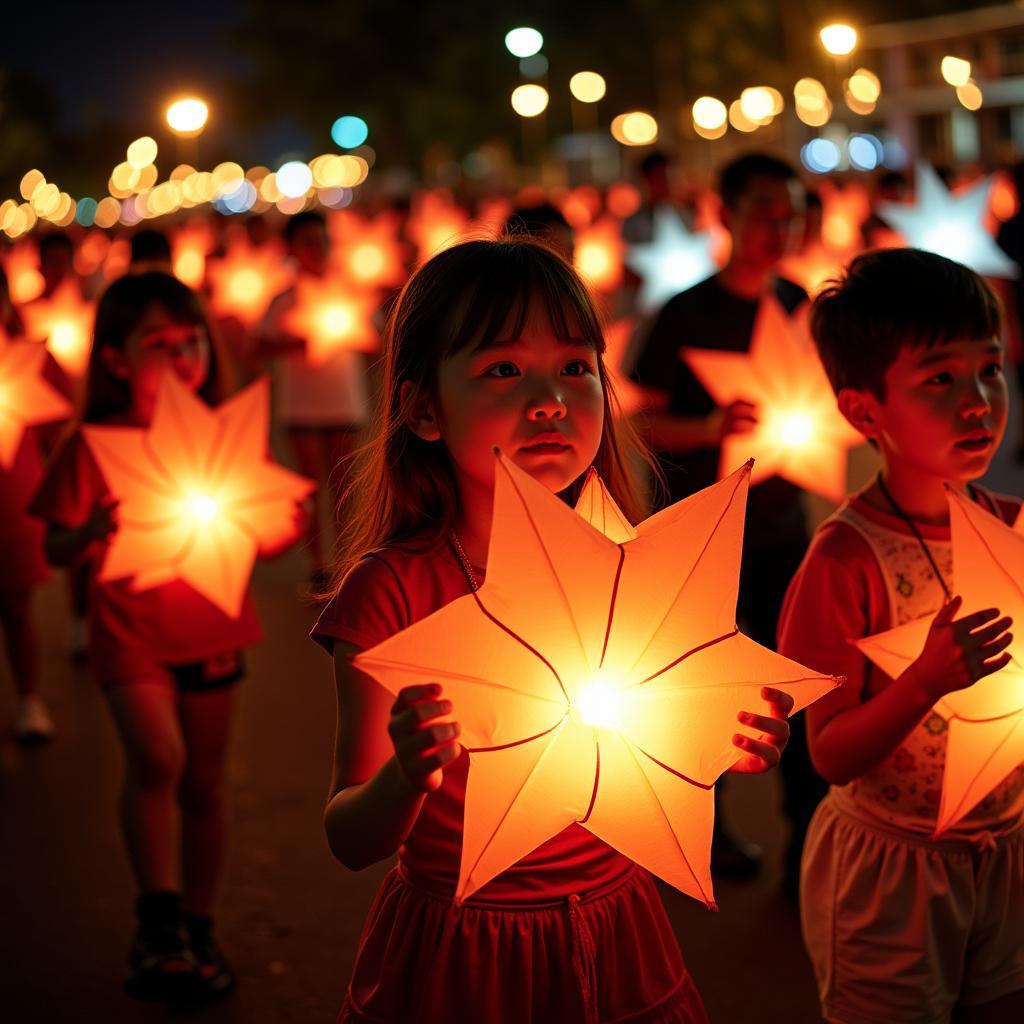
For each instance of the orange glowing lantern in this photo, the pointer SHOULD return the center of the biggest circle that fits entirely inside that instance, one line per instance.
(435, 223)
(843, 211)
(596, 681)
(245, 281)
(617, 336)
(199, 494)
(812, 267)
(190, 246)
(985, 740)
(800, 434)
(332, 317)
(26, 398)
(22, 268)
(64, 321)
(599, 253)
(369, 251)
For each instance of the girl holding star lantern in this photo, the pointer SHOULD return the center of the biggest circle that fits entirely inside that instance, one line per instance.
(506, 781)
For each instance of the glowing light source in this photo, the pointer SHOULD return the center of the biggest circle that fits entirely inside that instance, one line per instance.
(865, 86)
(332, 317)
(865, 152)
(820, 156)
(970, 95)
(294, 179)
(142, 152)
(529, 100)
(838, 39)
(245, 280)
(572, 625)
(796, 429)
(813, 106)
(739, 120)
(956, 71)
(187, 117)
(26, 398)
(757, 103)
(30, 181)
(523, 42)
(64, 321)
(203, 507)
(635, 128)
(709, 113)
(349, 131)
(674, 259)
(587, 86)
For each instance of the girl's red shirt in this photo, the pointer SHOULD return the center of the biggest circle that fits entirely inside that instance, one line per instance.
(384, 593)
(171, 624)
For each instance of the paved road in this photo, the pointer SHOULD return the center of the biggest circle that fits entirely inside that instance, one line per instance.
(290, 916)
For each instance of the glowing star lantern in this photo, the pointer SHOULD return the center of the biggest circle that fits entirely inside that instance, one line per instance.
(435, 224)
(190, 246)
(617, 337)
(950, 225)
(674, 260)
(800, 433)
(598, 254)
(332, 317)
(245, 280)
(596, 680)
(199, 494)
(64, 322)
(812, 267)
(368, 249)
(985, 741)
(25, 396)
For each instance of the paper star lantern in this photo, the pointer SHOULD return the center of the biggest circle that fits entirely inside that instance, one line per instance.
(674, 260)
(64, 321)
(812, 267)
(332, 316)
(598, 254)
(190, 246)
(26, 398)
(435, 223)
(245, 280)
(801, 434)
(617, 336)
(950, 225)
(199, 494)
(843, 211)
(596, 681)
(21, 265)
(369, 251)
(985, 741)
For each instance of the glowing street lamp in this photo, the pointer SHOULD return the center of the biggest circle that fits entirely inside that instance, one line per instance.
(187, 117)
(587, 86)
(529, 100)
(838, 39)
(523, 42)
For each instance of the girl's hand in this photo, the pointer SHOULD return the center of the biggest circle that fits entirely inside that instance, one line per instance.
(422, 749)
(103, 520)
(763, 754)
(959, 653)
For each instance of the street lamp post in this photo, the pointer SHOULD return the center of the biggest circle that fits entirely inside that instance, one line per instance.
(187, 117)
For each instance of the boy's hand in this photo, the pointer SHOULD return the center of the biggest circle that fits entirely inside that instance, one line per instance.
(764, 753)
(103, 520)
(421, 748)
(739, 417)
(959, 653)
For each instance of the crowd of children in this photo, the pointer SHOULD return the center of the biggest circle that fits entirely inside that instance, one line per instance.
(501, 343)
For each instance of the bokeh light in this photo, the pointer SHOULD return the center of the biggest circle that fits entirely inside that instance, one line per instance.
(956, 71)
(523, 41)
(349, 131)
(864, 152)
(865, 86)
(757, 104)
(529, 100)
(739, 120)
(813, 106)
(635, 128)
(587, 86)
(294, 179)
(709, 113)
(30, 181)
(188, 116)
(820, 156)
(142, 152)
(970, 95)
(838, 39)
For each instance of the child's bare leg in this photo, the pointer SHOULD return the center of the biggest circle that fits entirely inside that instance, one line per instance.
(20, 637)
(205, 718)
(146, 716)
(1007, 1010)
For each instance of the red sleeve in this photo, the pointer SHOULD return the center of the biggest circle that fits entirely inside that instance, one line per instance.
(370, 606)
(71, 485)
(837, 596)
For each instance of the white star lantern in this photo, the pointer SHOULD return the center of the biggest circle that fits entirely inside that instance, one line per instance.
(950, 225)
(674, 260)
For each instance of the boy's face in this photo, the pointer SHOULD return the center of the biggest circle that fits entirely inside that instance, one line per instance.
(766, 221)
(944, 411)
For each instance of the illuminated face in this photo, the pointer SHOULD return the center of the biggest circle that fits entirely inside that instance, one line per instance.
(766, 221)
(537, 397)
(157, 343)
(945, 409)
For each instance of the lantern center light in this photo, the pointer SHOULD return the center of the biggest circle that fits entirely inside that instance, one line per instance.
(600, 703)
(203, 507)
(796, 429)
(63, 337)
(336, 320)
(245, 285)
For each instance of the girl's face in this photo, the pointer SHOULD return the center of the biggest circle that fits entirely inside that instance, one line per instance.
(159, 343)
(537, 397)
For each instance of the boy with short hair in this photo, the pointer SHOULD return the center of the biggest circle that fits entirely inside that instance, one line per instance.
(901, 927)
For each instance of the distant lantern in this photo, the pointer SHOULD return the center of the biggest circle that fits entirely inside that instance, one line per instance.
(587, 86)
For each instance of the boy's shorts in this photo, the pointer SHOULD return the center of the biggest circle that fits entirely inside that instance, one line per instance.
(215, 673)
(901, 929)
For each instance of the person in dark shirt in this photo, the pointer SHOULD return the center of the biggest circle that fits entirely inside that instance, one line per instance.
(762, 208)
(1011, 240)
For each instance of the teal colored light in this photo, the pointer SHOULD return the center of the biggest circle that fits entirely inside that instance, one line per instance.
(349, 131)
(85, 212)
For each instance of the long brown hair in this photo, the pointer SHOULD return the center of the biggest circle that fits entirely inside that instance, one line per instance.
(403, 489)
(120, 310)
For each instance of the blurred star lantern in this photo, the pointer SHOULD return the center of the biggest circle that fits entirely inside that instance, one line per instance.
(598, 254)
(64, 321)
(985, 739)
(950, 225)
(26, 398)
(190, 246)
(368, 249)
(199, 493)
(435, 223)
(675, 259)
(331, 316)
(245, 280)
(596, 680)
(800, 433)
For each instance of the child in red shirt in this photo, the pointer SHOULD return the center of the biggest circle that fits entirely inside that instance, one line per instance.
(165, 658)
(491, 344)
(901, 927)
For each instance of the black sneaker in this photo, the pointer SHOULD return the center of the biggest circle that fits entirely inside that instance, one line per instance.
(214, 975)
(161, 968)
